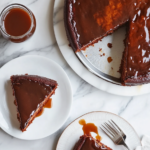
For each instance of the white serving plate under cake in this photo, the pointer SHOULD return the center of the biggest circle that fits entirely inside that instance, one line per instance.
(89, 65)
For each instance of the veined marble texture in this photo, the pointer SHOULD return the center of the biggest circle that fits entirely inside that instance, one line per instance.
(86, 98)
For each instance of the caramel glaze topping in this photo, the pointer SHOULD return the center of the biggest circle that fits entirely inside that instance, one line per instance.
(138, 42)
(90, 144)
(97, 18)
(29, 95)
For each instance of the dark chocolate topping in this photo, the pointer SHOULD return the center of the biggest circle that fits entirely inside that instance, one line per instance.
(87, 22)
(96, 18)
(29, 92)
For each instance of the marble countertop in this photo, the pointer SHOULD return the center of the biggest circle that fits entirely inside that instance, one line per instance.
(136, 110)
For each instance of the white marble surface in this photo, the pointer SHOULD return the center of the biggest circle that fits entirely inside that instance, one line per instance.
(86, 98)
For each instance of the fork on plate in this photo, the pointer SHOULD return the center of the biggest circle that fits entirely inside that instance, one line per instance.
(113, 131)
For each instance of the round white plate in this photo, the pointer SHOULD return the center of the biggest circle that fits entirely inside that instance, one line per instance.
(72, 133)
(52, 119)
(80, 69)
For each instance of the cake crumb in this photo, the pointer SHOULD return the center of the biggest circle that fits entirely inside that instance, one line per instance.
(112, 68)
(85, 55)
(102, 54)
(109, 45)
(100, 49)
(109, 59)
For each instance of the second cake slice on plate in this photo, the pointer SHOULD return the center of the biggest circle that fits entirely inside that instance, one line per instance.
(87, 142)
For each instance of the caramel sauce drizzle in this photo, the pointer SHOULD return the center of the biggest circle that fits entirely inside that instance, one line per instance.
(47, 105)
(109, 59)
(90, 127)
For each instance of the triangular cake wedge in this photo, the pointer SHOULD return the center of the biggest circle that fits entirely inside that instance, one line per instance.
(87, 142)
(136, 58)
(31, 94)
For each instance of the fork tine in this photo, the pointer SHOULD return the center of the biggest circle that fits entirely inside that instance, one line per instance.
(108, 131)
(118, 131)
(116, 126)
(107, 134)
(110, 128)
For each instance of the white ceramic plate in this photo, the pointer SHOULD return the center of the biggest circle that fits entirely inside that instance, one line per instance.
(72, 133)
(83, 72)
(52, 119)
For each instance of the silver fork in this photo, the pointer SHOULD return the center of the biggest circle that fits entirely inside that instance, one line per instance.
(113, 131)
(121, 132)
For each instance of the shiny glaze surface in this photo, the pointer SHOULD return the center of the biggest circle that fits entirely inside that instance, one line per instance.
(96, 18)
(17, 22)
(91, 144)
(138, 42)
(88, 128)
(29, 94)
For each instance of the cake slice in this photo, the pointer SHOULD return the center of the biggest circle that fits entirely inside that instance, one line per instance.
(31, 94)
(87, 142)
(136, 58)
